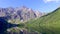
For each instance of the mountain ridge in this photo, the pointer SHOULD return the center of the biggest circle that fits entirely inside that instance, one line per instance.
(21, 13)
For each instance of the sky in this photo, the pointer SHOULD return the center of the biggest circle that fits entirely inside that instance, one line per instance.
(40, 5)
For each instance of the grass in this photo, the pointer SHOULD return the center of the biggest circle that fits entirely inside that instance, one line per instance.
(48, 24)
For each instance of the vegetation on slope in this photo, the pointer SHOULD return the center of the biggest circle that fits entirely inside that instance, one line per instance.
(48, 24)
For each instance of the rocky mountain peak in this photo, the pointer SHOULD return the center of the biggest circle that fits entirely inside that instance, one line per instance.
(21, 13)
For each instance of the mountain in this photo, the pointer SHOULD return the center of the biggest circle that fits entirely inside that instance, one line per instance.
(19, 14)
(48, 24)
(38, 14)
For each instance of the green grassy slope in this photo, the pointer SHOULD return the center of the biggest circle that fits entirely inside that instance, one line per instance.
(48, 24)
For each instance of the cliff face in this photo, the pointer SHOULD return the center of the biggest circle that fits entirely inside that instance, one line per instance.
(21, 13)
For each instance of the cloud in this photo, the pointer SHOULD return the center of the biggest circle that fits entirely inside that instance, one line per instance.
(51, 1)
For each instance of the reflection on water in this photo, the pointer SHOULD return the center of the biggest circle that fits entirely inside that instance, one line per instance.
(4, 25)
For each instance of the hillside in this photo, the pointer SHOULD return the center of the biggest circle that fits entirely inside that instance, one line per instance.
(48, 24)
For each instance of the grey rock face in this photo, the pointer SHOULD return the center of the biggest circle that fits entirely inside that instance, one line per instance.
(23, 13)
